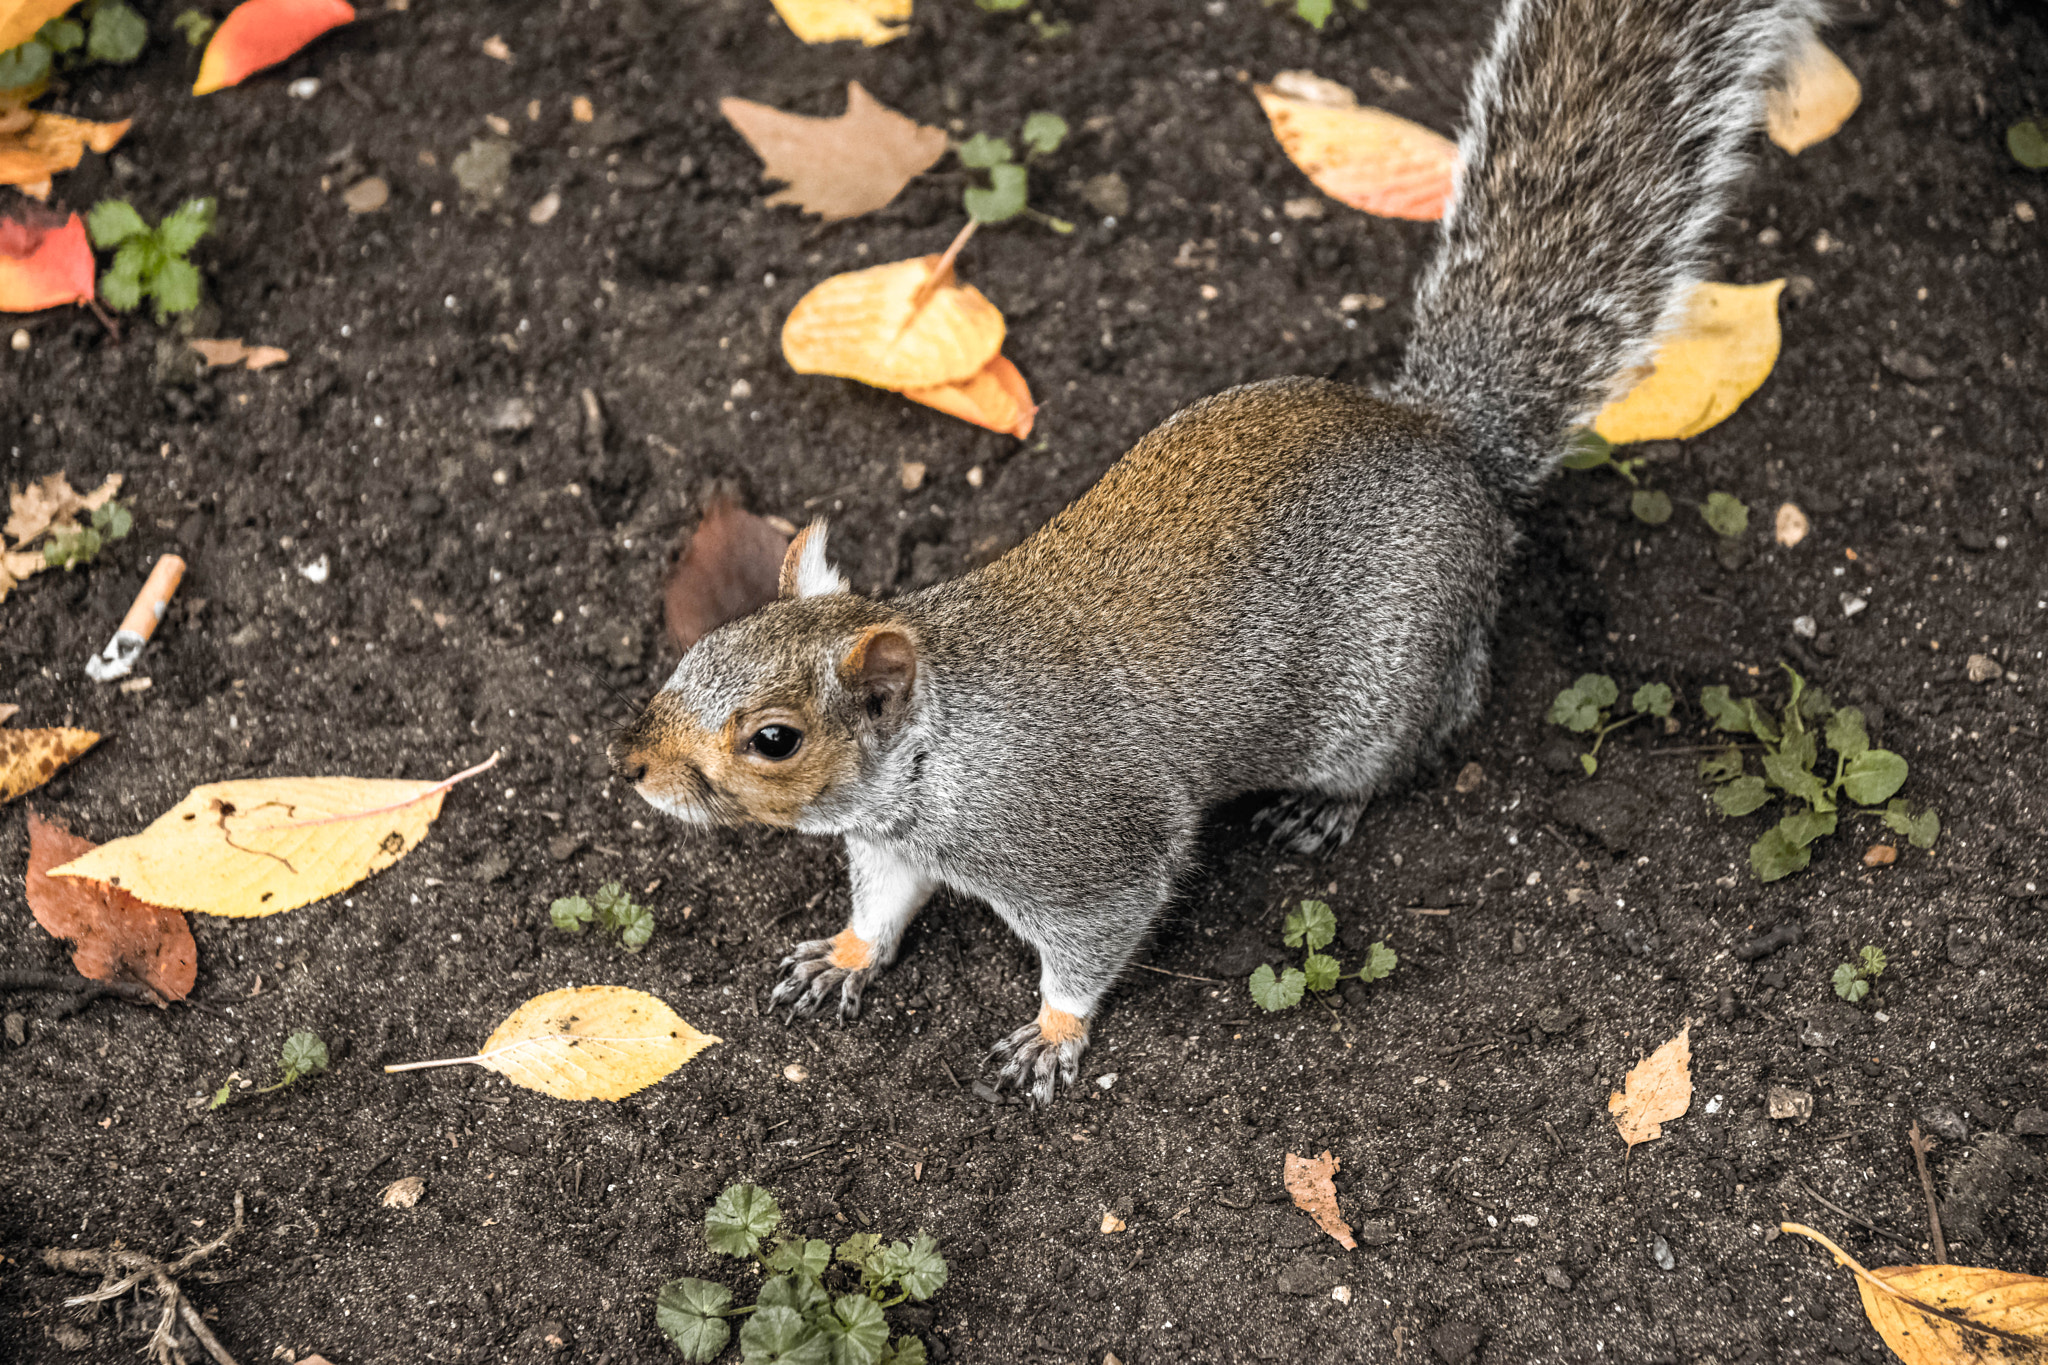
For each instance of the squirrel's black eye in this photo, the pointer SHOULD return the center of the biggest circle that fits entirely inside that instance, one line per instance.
(776, 742)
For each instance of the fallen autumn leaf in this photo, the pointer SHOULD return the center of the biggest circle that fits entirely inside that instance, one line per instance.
(1719, 356)
(114, 936)
(884, 326)
(1308, 1180)
(837, 167)
(44, 266)
(1657, 1090)
(262, 33)
(1361, 156)
(50, 143)
(1816, 99)
(730, 570)
(873, 22)
(1949, 1314)
(29, 758)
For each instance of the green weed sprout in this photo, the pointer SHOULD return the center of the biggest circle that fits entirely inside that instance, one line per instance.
(1863, 775)
(1852, 979)
(302, 1055)
(2027, 141)
(795, 1319)
(1046, 29)
(1590, 450)
(112, 33)
(1312, 927)
(150, 262)
(1316, 13)
(196, 25)
(1582, 709)
(68, 549)
(1727, 514)
(612, 910)
(1003, 198)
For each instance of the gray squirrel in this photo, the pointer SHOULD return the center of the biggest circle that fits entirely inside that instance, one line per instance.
(1287, 587)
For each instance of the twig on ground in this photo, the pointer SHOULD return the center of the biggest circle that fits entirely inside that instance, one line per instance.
(133, 992)
(1921, 1146)
(1551, 830)
(163, 1278)
(1826, 1202)
(1209, 980)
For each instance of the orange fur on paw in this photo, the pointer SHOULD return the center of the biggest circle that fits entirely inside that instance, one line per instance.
(851, 952)
(1057, 1026)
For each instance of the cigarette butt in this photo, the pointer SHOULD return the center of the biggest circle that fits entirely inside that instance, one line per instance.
(155, 598)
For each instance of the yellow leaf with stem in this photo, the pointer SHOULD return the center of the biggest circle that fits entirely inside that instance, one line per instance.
(1718, 356)
(269, 844)
(832, 21)
(1949, 1314)
(586, 1043)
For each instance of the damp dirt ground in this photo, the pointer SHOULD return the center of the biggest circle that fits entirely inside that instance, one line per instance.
(492, 574)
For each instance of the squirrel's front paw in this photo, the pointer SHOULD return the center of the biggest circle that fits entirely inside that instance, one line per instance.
(821, 968)
(1040, 1056)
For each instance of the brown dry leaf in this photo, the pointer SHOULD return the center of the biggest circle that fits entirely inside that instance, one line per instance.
(1659, 1088)
(837, 167)
(586, 1043)
(1816, 99)
(16, 565)
(115, 937)
(1361, 156)
(52, 143)
(729, 570)
(1949, 1314)
(29, 758)
(51, 501)
(1308, 1180)
(1878, 855)
(229, 352)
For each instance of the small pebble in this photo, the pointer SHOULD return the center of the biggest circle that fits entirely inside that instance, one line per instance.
(1555, 1277)
(1851, 604)
(975, 477)
(22, 341)
(795, 1074)
(367, 195)
(1982, 668)
(544, 209)
(304, 88)
(1805, 627)
(912, 475)
(1792, 524)
(1660, 1252)
(581, 109)
(17, 1030)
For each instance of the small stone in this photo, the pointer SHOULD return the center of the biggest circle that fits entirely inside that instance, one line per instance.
(1975, 539)
(1107, 194)
(975, 477)
(1470, 778)
(304, 88)
(1879, 855)
(1799, 288)
(563, 847)
(1375, 1234)
(1982, 668)
(1555, 1277)
(581, 109)
(2027, 1123)
(1306, 207)
(1353, 303)
(1908, 364)
(17, 1030)
(1786, 1103)
(367, 195)
(1852, 604)
(492, 867)
(1341, 1294)
(1309, 1276)
(544, 209)
(484, 169)
(1792, 524)
(512, 417)
(912, 475)
(1805, 627)
(1556, 1020)
(403, 1194)
(1660, 1252)
(1942, 1121)
(21, 340)
(740, 391)
(795, 1074)
(1518, 942)
(1965, 949)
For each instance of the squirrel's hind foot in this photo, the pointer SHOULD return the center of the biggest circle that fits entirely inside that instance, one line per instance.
(814, 973)
(1040, 1057)
(1310, 822)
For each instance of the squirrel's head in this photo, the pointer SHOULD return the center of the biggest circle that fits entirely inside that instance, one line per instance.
(772, 716)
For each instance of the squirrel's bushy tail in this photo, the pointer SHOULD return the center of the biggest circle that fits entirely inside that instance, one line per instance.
(1601, 139)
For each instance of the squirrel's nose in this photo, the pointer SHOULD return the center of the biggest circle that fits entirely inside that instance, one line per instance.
(628, 762)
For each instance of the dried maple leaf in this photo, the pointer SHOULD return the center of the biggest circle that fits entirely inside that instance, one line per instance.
(837, 167)
(729, 571)
(1659, 1088)
(52, 501)
(1308, 1180)
(1361, 156)
(115, 937)
(29, 758)
(43, 265)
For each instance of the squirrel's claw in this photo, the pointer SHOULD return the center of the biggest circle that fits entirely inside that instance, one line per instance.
(1034, 1065)
(809, 980)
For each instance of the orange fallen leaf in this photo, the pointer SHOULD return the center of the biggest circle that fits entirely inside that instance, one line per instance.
(1308, 1181)
(114, 936)
(884, 326)
(730, 570)
(1658, 1089)
(44, 267)
(221, 353)
(29, 758)
(1818, 95)
(19, 19)
(52, 142)
(1358, 155)
(1720, 354)
(996, 398)
(837, 167)
(262, 33)
(831, 21)
(1949, 1314)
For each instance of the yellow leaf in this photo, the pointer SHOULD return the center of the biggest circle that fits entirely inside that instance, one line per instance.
(1358, 155)
(29, 758)
(1659, 1088)
(882, 326)
(1818, 96)
(269, 844)
(1719, 355)
(19, 19)
(586, 1043)
(1949, 1314)
(997, 398)
(832, 21)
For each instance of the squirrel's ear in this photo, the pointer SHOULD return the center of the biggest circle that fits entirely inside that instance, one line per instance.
(804, 570)
(880, 668)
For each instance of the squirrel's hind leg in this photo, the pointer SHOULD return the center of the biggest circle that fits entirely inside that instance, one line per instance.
(1311, 822)
(887, 894)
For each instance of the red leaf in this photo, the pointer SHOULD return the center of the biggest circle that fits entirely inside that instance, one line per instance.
(262, 33)
(729, 571)
(116, 936)
(43, 266)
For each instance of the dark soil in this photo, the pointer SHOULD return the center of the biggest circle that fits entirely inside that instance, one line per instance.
(499, 591)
